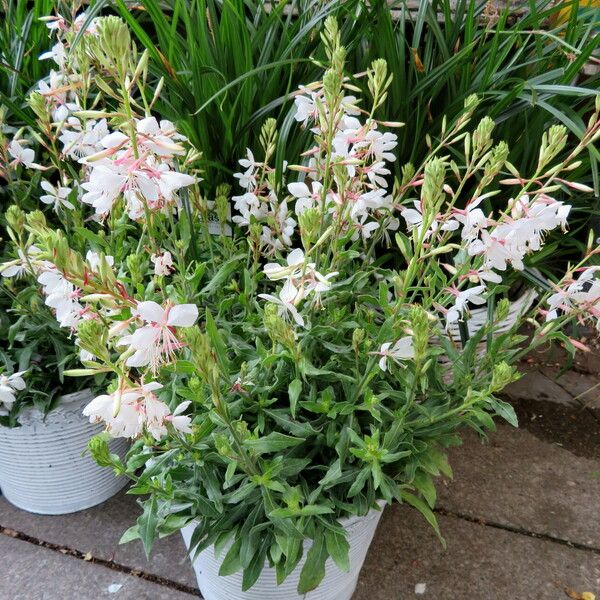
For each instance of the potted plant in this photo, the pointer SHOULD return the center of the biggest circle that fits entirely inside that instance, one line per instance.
(277, 364)
(44, 467)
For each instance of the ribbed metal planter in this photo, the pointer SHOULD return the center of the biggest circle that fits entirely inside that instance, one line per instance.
(478, 316)
(42, 466)
(337, 584)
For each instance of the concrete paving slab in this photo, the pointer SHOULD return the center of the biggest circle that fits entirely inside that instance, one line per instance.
(98, 530)
(480, 563)
(536, 386)
(521, 481)
(30, 572)
(581, 385)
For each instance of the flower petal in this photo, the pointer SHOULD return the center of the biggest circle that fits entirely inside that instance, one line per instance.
(151, 311)
(183, 315)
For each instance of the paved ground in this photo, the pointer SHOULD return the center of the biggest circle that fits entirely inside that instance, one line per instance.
(521, 519)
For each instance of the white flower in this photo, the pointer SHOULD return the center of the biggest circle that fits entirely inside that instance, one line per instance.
(163, 263)
(487, 275)
(78, 143)
(56, 196)
(379, 144)
(179, 421)
(306, 198)
(147, 182)
(287, 296)
(155, 342)
(248, 205)
(104, 187)
(62, 296)
(23, 264)
(377, 173)
(316, 283)
(119, 411)
(247, 179)
(94, 260)
(128, 412)
(57, 53)
(22, 155)
(398, 351)
(9, 386)
(462, 298)
(582, 294)
(413, 216)
(284, 226)
(159, 138)
(306, 109)
(497, 253)
(472, 219)
(364, 229)
(294, 268)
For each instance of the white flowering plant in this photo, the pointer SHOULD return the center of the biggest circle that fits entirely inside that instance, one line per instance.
(282, 357)
(34, 354)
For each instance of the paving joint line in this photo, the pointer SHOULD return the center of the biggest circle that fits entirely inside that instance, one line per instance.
(114, 566)
(517, 530)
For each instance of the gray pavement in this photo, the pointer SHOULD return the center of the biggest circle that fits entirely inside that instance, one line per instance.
(521, 520)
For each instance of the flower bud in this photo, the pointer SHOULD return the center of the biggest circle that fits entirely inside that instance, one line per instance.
(15, 219)
(38, 105)
(113, 42)
(134, 266)
(408, 172)
(279, 331)
(268, 137)
(471, 103)
(502, 375)
(502, 309)
(222, 204)
(309, 221)
(92, 336)
(36, 221)
(378, 81)
(482, 136)
(553, 142)
(100, 451)
(433, 182)
(497, 159)
(358, 336)
(419, 324)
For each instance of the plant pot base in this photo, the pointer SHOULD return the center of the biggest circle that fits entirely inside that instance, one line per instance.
(44, 466)
(337, 585)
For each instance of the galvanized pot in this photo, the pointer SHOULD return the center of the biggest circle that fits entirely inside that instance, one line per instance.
(337, 585)
(43, 468)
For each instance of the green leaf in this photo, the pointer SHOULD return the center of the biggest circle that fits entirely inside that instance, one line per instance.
(313, 570)
(217, 341)
(253, 570)
(231, 563)
(505, 410)
(338, 548)
(147, 524)
(294, 390)
(423, 482)
(131, 534)
(274, 442)
(306, 511)
(417, 503)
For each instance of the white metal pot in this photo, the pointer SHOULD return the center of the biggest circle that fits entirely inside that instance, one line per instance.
(337, 584)
(478, 316)
(43, 468)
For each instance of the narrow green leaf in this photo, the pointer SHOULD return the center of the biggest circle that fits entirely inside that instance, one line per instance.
(294, 390)
(338, 548)
(313, 570)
